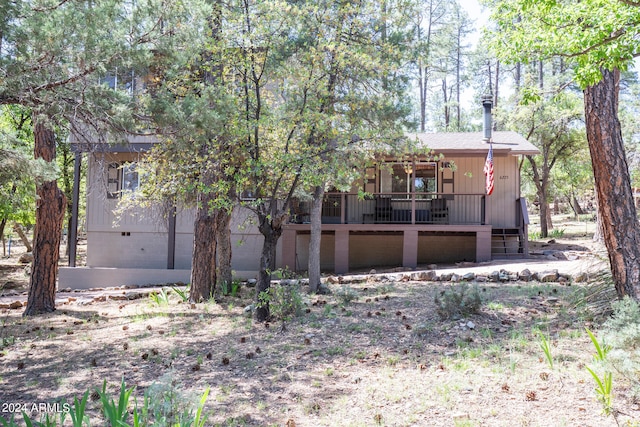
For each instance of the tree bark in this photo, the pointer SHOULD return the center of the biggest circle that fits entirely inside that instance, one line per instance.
(49, 217)
(616, 208)
(315, 238)
(224, 248)
(271, 230)
(203, 268)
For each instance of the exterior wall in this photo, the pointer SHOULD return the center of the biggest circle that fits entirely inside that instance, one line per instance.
(445, 249)
(501, 205)
(138, 239)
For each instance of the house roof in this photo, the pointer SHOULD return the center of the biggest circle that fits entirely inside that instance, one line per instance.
(504, 142)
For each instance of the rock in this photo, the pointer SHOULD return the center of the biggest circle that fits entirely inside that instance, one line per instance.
(548, 276)
(323, 289)
(135, 295)
(559, 255)
(469, 277)
(581, 277)
(525, 275)
(494, 276)
(25, 258)
(455, 278)
(333, 280)
(373, 271)
(251, 283)
(10, 285)
(432, 266)
(15, 305)
(481, 279)
(470, 325)
(552, 241)
(424, 276)
(248, 310)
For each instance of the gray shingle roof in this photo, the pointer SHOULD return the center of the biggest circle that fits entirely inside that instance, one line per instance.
(504, 142)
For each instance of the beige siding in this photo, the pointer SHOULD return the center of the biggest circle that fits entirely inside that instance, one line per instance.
(501, 205)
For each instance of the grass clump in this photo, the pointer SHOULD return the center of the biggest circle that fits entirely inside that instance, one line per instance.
(458, 302)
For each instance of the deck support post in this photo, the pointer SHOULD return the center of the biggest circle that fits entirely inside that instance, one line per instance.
(289, 250)
(483, 245)
(410, 249)
(341, 251)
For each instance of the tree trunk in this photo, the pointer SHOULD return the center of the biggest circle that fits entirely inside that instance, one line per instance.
(616, 208)
(203, 268)
(315, 239)
(25, 240)
(544, 216)
(224, 249)
(49, 217)
(271, 233)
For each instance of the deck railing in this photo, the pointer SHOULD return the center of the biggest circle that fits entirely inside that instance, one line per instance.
(398, 208)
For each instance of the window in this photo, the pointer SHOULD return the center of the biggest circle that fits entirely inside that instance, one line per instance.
(424, 177)
(113, 181)
(130, 177)
(122, 177)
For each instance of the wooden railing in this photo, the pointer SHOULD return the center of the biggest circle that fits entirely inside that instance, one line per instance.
(398, 208)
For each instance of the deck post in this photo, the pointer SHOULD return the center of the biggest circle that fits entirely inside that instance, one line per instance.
(483, 244)
(73, 229)
(410, 249)
(289, 250)
(341, 251)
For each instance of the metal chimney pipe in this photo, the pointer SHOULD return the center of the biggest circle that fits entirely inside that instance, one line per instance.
(487, 104)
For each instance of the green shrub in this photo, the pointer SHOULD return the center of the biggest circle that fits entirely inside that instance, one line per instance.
(284, 300)
(458, 302)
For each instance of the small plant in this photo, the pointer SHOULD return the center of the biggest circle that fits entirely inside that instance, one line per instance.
(160, 298)
(346, 294)
(604, 384)
(284, 301)
(231, 289)
(78, 416)
(165, 405)
(182, 293)
(116, 413)
(545, 345)
(458, 302)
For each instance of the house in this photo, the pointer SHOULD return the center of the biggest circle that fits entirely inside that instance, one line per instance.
(420, 209)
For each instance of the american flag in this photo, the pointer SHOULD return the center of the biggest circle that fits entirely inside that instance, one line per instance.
(488, 171)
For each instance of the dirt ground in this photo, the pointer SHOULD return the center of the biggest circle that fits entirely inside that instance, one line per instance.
(374, 352)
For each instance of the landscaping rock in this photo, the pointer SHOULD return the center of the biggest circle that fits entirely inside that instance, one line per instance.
(548, 276)
(455, 278)
(581, 277)
(424, 276)
(323, 289)
(525, 275)
(25, 258)
(333, 280)
(469, 277)
(251, 283)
